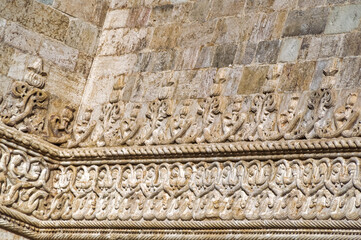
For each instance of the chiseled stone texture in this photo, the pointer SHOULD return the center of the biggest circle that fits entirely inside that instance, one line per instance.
(286, 41)
(31, 30)
(5, 235)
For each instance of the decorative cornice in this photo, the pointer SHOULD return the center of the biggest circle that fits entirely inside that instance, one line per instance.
(324, 157)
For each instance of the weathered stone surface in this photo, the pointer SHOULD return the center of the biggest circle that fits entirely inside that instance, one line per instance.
(116, 19)
(351, 46)
(47, 21)
(246, 57)
(343, 19)
(205, 57)
(304, 22)
(82, 36)
(200, 10)
(138, 17)
(350, 73)
(297, 77)
(252, 79)
(226, 8)
(196, 34)
(5, 235)
(289, 49)
(2, 28)
(224, 55)
(93, 11)
(267, 51)
(22, 39)
(6, 53)
(59, 54)
(330, 46)
(165, 37)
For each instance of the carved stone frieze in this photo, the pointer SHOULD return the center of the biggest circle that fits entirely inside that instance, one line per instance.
(268, 116)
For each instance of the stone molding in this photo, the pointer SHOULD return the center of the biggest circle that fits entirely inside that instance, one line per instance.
(33, 167)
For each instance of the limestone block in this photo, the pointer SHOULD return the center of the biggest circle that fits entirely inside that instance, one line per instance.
(343, 19)
(267, 51)
(118, 3)
(112, 65)
(19, 63)
(205, 57)
(83, 65)
(284, 4)
(233, 77)
(303, 22)
(132, 40)
(82, 36)
(226, 8)
(196, 34)
(224, 55)
(2, 28)
(162, 61)
(93, 11)
(351, 44)
(5, 83)
(108, 42)
(138, 17)
(194, 84)
(247, 55)
(21, 38)
(186, 59)
(165, 37)
(116, 19)
(310, 3)
(330, 46)
(161, 15)
(297, 76)
(149, 85)
(143, 62)
(252, 80)
(263, 28)
(156, 61)
(200, 10)
(59, 54)
(228, 30)
(289, 49)
(6, 53)
(46, 20)
(350, 73)
(168, 13)
(60, 82)
(310, 48)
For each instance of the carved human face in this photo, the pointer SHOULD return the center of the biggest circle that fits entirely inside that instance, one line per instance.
(35, 170)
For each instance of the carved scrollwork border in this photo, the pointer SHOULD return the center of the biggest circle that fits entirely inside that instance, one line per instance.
(34, 228)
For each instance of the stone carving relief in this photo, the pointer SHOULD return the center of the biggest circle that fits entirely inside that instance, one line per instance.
(26, 108)
(312, 189)
(261, 117)
(24, 182)
(266, 116)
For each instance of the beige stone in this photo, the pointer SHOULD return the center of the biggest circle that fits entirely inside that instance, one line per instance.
(93, 11)
(82, 36)
(180, 119)
(21, 38)
(59, 54)
(116, 19)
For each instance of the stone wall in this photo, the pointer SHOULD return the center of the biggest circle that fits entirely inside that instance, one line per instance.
(288, 44)
(64, 34)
